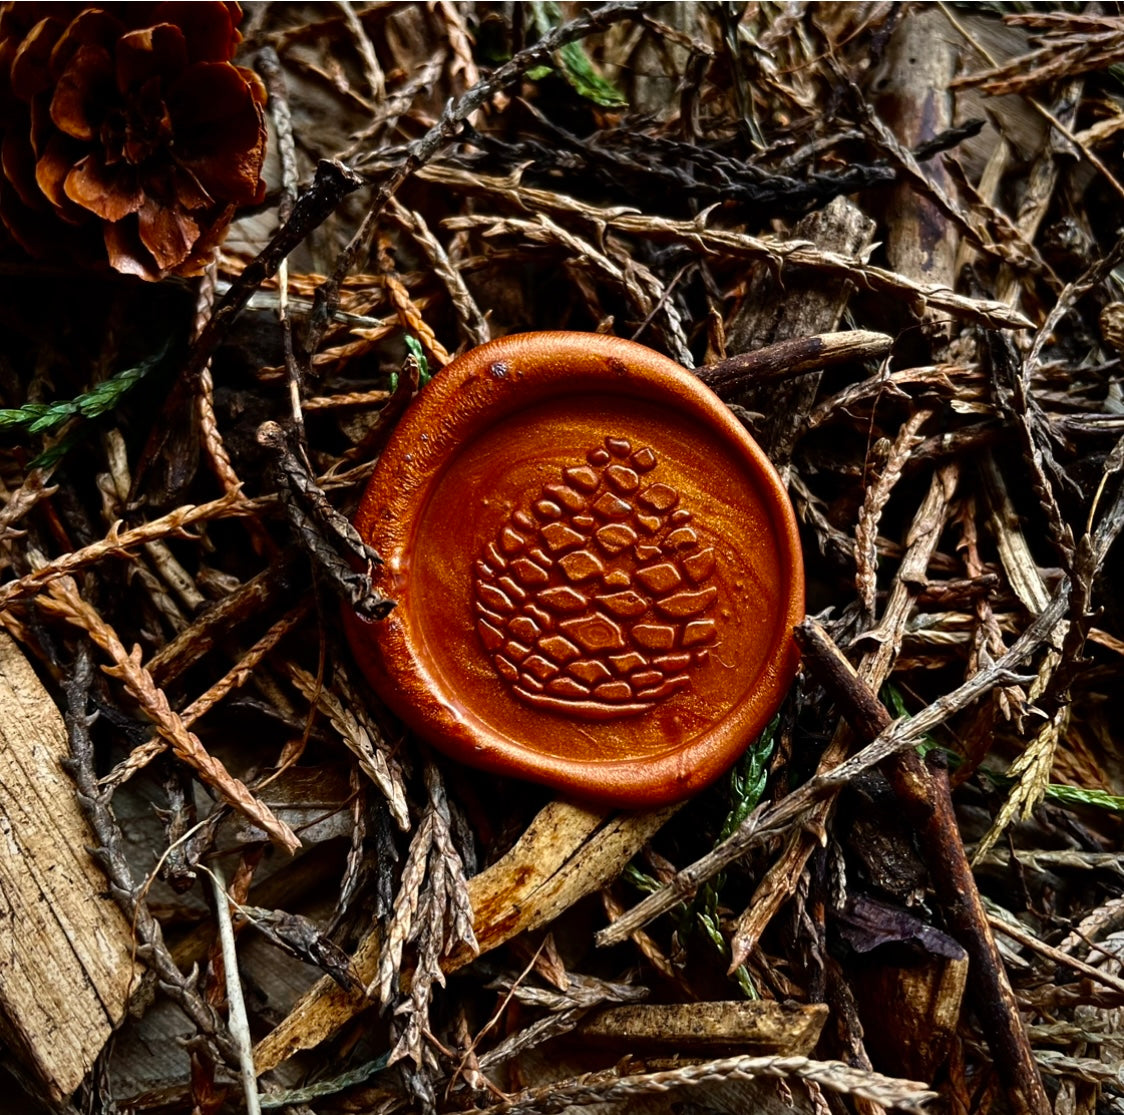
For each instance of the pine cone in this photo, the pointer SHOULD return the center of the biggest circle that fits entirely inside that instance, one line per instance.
(127, 134)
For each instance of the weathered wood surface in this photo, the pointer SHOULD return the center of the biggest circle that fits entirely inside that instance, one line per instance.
(65, 948)
(690, 1029)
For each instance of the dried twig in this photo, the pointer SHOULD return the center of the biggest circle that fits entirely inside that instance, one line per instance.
(238, 1021)
(923, 791)
(216, 450)
(65, 602)
(470, 321)
(432, 912)
(766, 823)
(1056, 955)
(327, 536)
(793, 358)
(362, 737)
(874, 502)
(118, 543)
(111, 854)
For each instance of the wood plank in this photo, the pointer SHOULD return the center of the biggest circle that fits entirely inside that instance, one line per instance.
(65, 948)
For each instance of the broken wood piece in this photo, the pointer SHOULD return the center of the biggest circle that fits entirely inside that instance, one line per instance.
(806, 306)
(66, 965)
(910, 1011)
(913, 106)
(762, 1027)
(798, 356)
(567, 852)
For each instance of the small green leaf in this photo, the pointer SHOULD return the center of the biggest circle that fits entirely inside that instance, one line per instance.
(418, 353)
(579, 72)
(641, 880)
(54, 417)
(576, 65)
(749, 777)
(892, 698)
(53, 455)
(745, 982)
(22, 416)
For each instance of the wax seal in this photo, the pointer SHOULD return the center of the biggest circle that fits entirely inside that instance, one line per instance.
(596, 570)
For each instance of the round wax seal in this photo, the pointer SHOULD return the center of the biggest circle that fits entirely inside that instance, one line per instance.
(596, 570)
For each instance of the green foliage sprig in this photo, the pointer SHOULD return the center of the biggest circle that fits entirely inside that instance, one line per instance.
(1055, 791)
(747, 784)
(46, 418)
(413, 345)
(575, 64)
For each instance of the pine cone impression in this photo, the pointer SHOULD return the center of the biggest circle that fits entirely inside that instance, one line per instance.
(126, 134)
(594, 600)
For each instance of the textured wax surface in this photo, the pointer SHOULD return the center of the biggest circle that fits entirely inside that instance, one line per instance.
(596, 571)
(507, 477)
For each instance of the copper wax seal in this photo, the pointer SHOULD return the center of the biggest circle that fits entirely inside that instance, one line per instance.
(596, 570)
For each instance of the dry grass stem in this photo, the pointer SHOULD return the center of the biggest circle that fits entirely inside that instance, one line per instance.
(236, 1006)
(905, 1095)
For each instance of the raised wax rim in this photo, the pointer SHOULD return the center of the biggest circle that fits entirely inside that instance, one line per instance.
(476, 389)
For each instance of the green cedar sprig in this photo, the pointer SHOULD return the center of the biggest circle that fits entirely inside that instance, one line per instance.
(1055, 791)
(46, 418)
(418, 353)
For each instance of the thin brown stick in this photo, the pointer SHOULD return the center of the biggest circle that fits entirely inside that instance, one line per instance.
(906, 1095)
(132, 899)
(119, 543)
(778, 252)
(795, 357)
(923, 790)
(1016, 933)
(213, 445)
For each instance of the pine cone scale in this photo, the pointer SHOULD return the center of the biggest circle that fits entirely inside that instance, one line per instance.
(111, 195)
(18, 163)
(83, 83)
(51, 172)
(146, 54)
(167, 233)
(31, 65)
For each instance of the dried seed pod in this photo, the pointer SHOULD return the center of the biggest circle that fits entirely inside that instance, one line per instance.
(596, 569)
